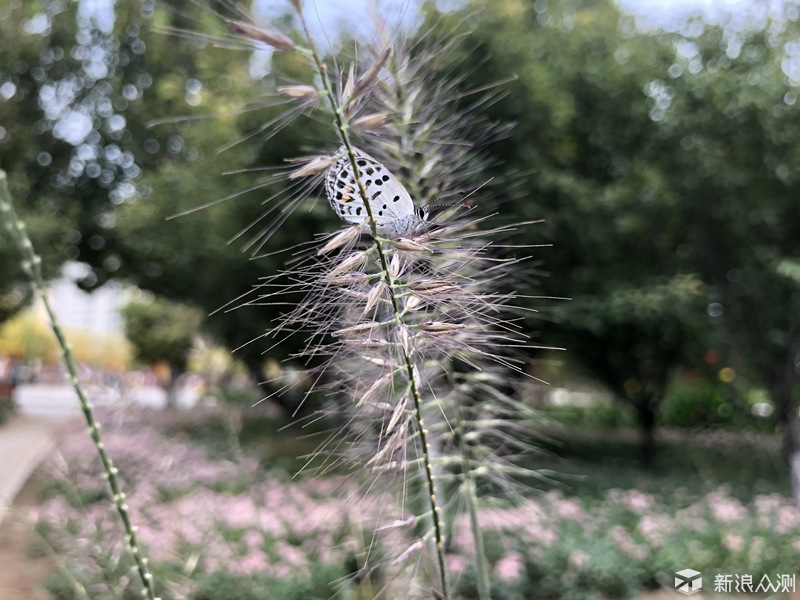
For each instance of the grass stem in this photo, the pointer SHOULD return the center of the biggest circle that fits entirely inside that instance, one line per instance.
(414, 392)
(32, 265)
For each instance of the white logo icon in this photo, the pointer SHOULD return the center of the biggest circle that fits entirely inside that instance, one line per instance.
(688, 581)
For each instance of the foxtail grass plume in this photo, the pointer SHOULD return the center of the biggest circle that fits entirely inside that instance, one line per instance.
(407, 311)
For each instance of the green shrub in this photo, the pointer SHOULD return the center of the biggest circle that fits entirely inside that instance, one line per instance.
(710, 403)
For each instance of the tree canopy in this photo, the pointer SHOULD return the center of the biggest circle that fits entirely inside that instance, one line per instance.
(664, 165)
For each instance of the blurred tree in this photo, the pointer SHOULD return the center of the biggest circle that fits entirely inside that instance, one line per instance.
(162, 331)
(731, 129)
(585, 132)
(652, 323)
(204, 100)
(657, 155)
(97, 182)
(26, 152)
(68, 73)
(649, 163)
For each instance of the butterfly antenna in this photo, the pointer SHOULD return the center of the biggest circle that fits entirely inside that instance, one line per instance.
(437, 203)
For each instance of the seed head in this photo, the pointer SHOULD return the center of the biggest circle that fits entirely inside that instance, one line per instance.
(441, 328)
(433, 287)
(356, 259)
(371, 74)
(370, 122)
(407, 522)
(349, 85)
(299, 92)
(408, 553)
(268, 35)
(399, 411)
(394, 266)
(357, 329)
(318, 164)
(412, 302)
(345, 279)
(378, 386)
(376, 293)
(409, 245)
(342, 238)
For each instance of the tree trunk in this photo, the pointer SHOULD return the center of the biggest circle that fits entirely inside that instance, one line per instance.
(647, 426)
(792, 451)
(172, 391)
(787, 411)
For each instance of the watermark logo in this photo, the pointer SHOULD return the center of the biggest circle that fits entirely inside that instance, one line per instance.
(725, 583)
(688, 582)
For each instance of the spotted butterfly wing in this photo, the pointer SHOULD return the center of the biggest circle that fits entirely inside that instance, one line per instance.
(390, 202)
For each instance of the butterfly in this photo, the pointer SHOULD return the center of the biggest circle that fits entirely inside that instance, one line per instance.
(390, 203)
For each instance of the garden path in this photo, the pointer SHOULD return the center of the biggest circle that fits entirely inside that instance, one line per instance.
(24, 442)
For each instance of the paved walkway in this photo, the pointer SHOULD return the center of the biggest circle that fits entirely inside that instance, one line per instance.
(24, 442)
(26, 438)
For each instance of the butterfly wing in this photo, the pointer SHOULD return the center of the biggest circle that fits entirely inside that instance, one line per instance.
(388, 198)
(343, 195)
(390, 203)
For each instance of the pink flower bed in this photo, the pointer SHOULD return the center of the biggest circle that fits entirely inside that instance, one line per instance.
(178, 498)
(715, 531)
(212, 514)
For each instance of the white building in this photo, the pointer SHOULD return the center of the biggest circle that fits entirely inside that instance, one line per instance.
(96, 313)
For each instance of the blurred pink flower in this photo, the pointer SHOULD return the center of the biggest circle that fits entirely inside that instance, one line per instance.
(253, 539)
(655, 528)
(626, 543)
(788, 519)
(508, 519)
(570, 509)
(545, 536)
(281, 570)
(578, 559)
(291, 555)
(733, 542)
(510, 567)
(253, 563)
(237, 512)
(756, 546)
(171, 485)
(462, 538)
(766, 504)
(724, 508)
(637, 501)
(456, 563)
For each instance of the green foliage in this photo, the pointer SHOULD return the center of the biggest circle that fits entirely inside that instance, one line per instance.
(184, 170)
(111, 211)
(697, 404)
(647, 165)
(67, 179)
(595, 416)
(318, 587)
(244, 397)
(661, 542)
(7, 409)
(653, 158)
(585, 134)
(631, 339)
(730, 131)
(591, 461)
(162, 331)
(22, 151)
(615, 530)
